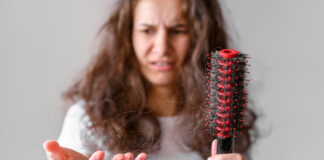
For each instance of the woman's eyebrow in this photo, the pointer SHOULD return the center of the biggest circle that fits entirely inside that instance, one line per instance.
(179, 25)
(146, 25)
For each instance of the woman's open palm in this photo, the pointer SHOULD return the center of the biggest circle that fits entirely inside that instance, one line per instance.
(55, 152)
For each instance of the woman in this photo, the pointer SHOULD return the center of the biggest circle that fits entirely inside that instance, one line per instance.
(141, 95)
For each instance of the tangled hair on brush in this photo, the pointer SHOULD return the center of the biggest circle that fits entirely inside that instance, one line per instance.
(115, 92)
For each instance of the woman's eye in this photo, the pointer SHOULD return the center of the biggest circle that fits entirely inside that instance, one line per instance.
(148, 31)
(178, 31)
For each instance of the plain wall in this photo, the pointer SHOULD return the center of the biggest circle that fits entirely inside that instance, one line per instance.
(43, 44)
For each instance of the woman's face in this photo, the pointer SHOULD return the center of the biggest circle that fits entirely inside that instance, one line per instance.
(160, 39)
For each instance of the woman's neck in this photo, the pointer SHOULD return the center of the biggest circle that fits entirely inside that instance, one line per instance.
(162, 100)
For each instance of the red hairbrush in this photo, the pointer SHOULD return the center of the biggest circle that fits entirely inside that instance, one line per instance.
(226, 96)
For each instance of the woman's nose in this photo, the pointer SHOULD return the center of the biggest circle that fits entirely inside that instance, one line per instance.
(161, 43)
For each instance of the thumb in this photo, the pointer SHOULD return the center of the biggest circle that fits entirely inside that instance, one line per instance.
(214, 147)
(53, 150)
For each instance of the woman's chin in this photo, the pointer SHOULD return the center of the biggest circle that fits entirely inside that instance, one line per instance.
(161, 84)
(161, 81)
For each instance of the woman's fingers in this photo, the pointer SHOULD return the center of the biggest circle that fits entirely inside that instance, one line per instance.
(141, 156)
(53, 150)
(98, 155)
(129, 156)
(214, 147)
(231, 156)
(119, 157)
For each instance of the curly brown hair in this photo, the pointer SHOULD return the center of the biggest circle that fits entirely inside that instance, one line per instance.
(115, 92)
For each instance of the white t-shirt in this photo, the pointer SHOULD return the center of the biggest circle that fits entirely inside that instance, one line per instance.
(75, 129)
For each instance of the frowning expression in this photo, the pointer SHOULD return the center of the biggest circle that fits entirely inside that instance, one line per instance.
(160, 39)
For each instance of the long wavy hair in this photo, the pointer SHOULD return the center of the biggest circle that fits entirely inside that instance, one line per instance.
(115, 91)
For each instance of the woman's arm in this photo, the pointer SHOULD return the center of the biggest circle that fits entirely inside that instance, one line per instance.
(70, 145)
(74, 126)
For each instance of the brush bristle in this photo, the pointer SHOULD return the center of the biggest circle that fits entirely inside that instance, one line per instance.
(226, 94)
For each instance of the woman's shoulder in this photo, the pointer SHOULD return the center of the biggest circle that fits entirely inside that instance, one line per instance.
(77, 109)
(77, 114)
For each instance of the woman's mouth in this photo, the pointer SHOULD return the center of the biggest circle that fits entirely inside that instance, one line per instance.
(162, 66)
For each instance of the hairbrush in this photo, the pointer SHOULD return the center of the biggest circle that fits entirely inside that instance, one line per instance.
(226, 96)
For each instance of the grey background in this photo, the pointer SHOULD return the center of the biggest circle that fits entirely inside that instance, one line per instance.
(43, 44)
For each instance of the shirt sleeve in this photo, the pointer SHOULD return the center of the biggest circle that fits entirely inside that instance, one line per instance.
(74, 126)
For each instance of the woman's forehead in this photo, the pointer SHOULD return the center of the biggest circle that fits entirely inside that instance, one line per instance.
(154, 12)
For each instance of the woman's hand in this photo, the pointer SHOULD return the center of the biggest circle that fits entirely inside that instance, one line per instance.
(130, 156)
(55, 152)
(231, 156)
